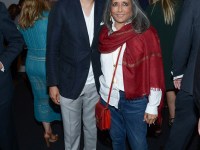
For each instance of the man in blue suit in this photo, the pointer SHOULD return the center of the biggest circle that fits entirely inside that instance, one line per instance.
(73, 67)
(10, 34)
(186, 46)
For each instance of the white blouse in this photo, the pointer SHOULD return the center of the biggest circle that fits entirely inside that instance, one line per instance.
(108, 61)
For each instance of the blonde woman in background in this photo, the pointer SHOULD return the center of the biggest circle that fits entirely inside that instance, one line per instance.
(33, 22)
(164, 16)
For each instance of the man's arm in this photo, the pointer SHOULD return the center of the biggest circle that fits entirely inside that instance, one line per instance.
(183, 40)
(182, 44)
(54, 34)
(12, 36)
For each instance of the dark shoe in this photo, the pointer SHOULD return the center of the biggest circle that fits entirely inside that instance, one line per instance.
(104, 138)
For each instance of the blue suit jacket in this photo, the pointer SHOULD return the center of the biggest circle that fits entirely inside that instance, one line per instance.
(68, 49)
(10, 34)
(187, 43)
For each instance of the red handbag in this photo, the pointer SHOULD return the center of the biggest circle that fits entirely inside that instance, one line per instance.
(102, 112)
(103, 117)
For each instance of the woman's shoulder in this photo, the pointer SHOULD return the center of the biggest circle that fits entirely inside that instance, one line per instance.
(149, 32)
(149, 36)
(152, 29)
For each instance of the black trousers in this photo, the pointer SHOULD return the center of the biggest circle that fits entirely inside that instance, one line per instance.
(184, 123)
(7, 128)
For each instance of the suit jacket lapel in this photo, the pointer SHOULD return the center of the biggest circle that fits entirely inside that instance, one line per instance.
(81, 22)
(97, 19)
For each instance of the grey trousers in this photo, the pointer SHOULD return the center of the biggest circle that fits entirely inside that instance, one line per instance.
(74, 112)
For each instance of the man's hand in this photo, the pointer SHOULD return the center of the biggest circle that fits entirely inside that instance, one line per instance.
(150, 118)
(177, 83)
(199, 127)
(54, 94)
(1, 65)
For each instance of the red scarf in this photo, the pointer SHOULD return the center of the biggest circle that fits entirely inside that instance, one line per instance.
(109, 43)
(142, 60)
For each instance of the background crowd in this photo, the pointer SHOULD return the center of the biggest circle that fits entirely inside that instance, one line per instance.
(70, 50)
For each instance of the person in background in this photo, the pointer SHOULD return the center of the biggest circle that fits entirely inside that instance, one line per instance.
(186, 47)
(139, 81)
(14, 40)
(20, 4)
(144, 4)
(197, 86)
(22, 57)
(73, 67)
(164, 16)
(33, 22)
(14, 11)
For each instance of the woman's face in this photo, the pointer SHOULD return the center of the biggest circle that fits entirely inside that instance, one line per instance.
(121, 11)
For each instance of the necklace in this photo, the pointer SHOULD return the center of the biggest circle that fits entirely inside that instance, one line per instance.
(114, 61)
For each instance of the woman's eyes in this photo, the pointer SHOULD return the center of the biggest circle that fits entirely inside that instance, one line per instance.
(123, 4)
(114, 4)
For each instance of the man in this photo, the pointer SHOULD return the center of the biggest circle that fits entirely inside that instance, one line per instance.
(73, 67)
(187, 44)
(10, 34)
(197, 85)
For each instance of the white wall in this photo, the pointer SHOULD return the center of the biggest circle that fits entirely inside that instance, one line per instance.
(8, 2)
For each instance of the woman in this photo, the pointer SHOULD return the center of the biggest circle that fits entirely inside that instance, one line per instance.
(164, 16)
(33, 26)
(138, 83)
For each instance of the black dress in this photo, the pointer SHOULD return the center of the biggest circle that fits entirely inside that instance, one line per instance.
(166, 34)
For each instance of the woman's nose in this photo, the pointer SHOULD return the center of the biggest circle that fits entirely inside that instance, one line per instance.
(120, 8)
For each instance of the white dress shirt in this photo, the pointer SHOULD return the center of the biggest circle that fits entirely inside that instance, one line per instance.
(2, 69)
(89, 20)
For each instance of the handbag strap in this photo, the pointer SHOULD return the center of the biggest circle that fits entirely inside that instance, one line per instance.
(110, 90)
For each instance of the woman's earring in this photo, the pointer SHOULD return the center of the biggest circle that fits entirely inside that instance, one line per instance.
(111, 19)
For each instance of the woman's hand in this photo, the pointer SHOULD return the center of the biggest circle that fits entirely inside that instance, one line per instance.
(54, 94)
(150, 118)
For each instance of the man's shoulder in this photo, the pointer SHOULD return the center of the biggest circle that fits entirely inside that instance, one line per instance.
(3, 10)
(192, 3)
(63, 4)
(2, 6)
(100, 2)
